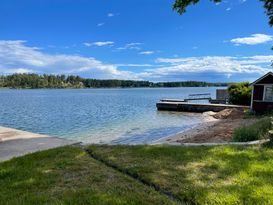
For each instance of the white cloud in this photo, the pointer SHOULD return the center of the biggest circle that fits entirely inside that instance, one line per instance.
(20, 70)
(228, 9)
(146, 52)
(254, 39)
(16, 56)
(217, 64)
(87, 44)
(113, 14)
(99, 43)
(100, 24)
(103, 43)
(130, 46)
(134, 65)
(242, 1)
(228, 75)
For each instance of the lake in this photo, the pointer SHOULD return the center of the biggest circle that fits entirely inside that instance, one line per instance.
(116, 116)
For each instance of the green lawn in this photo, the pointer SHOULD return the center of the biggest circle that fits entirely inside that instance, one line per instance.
(69, 176)
(199, 175)
(193, 175)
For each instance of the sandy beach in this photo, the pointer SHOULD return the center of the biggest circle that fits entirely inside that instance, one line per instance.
(217, 128)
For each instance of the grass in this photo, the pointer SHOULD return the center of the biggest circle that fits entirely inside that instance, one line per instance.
(69, 176)
(192, 175)
(199, 175)
(252, 132)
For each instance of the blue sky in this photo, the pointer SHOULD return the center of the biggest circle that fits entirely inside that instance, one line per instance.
(140, 40)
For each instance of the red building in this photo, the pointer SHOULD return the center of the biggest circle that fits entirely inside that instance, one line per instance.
(262, 94)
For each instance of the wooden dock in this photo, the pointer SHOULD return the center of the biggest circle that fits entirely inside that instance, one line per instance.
(182, 106)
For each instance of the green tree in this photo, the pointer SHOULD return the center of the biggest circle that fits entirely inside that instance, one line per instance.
(61, 81)
(181, 5)
(240, 93)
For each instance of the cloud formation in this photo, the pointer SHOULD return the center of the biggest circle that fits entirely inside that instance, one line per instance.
(130, 46)
(100, 24)
(146, 52)
(254, 39)
(225, 65)
(17, 57)
(112, 14)
(99, 43)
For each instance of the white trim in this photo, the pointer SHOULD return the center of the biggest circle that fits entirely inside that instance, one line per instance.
(267, 86)
(261, 78)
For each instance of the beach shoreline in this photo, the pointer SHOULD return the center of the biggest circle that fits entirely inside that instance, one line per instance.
(190, 132)
(216, 128)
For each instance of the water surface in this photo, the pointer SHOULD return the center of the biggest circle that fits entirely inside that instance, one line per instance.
(97, 115)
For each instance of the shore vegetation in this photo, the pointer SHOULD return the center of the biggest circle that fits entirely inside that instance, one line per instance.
(62, 81)
(256, 131)
(239, 93)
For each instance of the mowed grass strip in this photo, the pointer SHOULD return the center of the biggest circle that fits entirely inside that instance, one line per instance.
(199, 175)
(69, 175)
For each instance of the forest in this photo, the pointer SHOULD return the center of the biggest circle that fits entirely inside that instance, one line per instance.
(33, 81)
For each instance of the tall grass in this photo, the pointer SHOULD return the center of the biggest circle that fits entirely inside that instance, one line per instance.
(255, 131)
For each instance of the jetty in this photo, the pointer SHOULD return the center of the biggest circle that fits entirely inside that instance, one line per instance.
(187, 105)
(184, 106)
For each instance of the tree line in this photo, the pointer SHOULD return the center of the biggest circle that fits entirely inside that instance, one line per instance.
(33, 81)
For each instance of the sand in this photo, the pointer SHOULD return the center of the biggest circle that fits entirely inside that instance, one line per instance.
(218, 128)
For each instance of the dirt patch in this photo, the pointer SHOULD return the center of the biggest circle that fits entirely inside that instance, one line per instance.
(215, 131)
(221, 131)
(230, 114)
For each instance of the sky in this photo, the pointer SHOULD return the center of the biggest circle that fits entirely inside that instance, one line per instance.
(137, 40)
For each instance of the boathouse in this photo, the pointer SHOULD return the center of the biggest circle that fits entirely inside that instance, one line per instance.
(262, 94)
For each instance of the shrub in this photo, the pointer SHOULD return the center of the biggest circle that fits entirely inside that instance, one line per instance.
(239, 93)
(255, 131)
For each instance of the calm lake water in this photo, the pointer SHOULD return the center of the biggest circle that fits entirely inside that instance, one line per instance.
(97, 115)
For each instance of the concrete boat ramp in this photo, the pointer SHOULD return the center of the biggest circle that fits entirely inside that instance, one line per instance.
(14, 143)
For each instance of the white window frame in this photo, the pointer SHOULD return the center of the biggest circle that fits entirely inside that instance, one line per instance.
(267, 86)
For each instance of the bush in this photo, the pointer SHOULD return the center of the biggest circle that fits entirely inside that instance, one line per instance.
(252, 132)
(239, 94)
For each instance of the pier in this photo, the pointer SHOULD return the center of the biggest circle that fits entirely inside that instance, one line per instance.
(183, 106)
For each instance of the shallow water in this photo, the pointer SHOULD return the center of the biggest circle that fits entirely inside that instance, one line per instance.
(122, 116)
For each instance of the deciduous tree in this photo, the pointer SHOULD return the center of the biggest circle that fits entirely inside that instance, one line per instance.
(181, 5)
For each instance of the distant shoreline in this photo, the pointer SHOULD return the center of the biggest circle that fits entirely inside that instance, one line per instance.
(84, 88)
(34, 81)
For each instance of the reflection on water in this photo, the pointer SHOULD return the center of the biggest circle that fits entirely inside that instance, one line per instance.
(97, 115)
